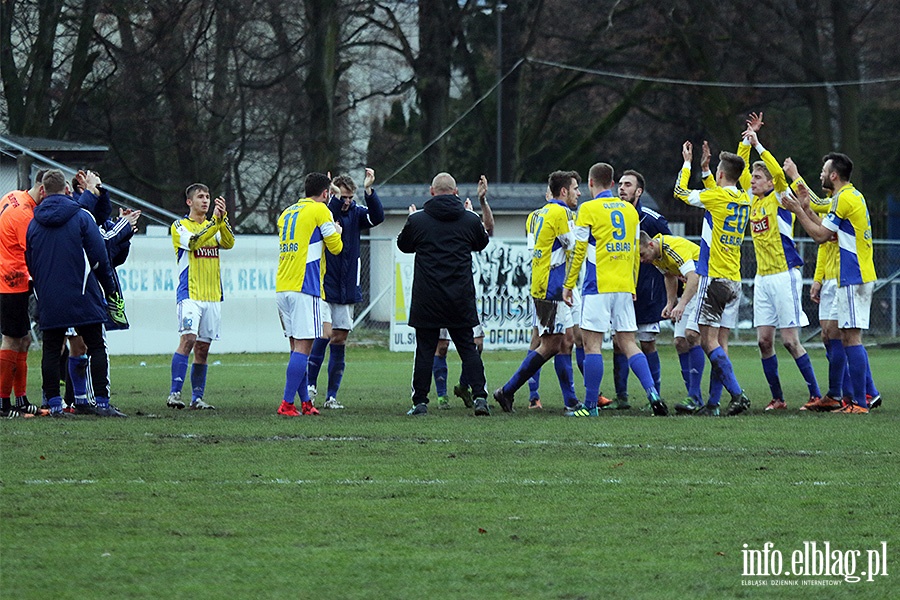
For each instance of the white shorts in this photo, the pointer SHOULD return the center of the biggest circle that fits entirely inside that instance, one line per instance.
(609, 311)
(647, 332)
(577, 305)
(777, 300)
(300, 314)
(852, 304)
(339, 315)
(718, 300)
(550, 316)
(477, 332)
(687, 320)
(203, 319)
(826, 300)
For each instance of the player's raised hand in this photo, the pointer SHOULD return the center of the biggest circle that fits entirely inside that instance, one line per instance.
(482, 188)
(687, 151)
(219, 211)
(790, 169)
(412, 208)
(705, 156)
(369, 180)
(755, 121)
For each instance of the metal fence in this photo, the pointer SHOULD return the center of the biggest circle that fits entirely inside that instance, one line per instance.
(376, 278)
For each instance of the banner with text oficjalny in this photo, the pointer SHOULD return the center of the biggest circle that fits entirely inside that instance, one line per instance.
(502, 295)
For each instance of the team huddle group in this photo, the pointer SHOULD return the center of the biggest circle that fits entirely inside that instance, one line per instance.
(611, 267)
(619, 295)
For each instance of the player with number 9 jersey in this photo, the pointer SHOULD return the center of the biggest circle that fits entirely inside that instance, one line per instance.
(612, 265)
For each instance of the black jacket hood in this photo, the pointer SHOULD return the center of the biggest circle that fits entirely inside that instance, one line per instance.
(445, 208)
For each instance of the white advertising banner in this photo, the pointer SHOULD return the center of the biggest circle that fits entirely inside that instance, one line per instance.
(502, 296)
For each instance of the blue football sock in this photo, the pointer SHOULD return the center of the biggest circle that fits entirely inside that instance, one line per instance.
(532, 363)
(638, 364)
(720, 361)
(698, 364)
(78, 366)
(102, 401)
(620, 374)
(715, 388)
(809, 376)
(55, 404)
(534, 386)
(295, 375)
(836, 367)
(870, 383)
(198, 381)
(858, 361)
(316, 358)
(655, 369)
(336, 365)
(563, 365)
(179, 371)
(685, 360)
(770, 369)
(593, 376)
(579, 359)
(439, 369)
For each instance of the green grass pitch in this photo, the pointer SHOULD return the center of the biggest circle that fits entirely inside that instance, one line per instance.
(368, 503)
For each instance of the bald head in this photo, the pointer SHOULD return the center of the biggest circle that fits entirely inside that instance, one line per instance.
(443, 183)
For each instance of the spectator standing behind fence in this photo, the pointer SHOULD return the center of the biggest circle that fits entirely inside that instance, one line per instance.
(67, 286)
(443, 236)
(342, 276)
(197, 241)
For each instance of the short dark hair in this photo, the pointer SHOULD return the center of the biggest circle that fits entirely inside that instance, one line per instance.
(636, 175)
(732, 165)
(840, 164)
(192, 189)
(560, 180)
(315, 184)
(39, 176)
(345, 181)
(603, 173)
(54, 182)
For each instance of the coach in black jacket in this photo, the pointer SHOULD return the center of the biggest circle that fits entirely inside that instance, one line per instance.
(443, 236)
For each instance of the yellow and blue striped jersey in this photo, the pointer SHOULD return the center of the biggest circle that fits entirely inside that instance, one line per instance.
(849, 219)
(772, 225)
(607, 236)
(549, 231)
(305, 229)
(677, 256)
(827, 254)
(727, 213)
(197, 252)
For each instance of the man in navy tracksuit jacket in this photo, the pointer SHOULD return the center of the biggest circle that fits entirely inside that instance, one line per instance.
(651, 292)
(342, 279)
(67, 259)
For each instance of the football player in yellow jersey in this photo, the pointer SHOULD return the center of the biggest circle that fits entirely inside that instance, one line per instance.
(719, 267)
(550, 234)
(607, 235)
(822, 292)
(305, 230)
(849, 218)
(778, 285)
(676, 258)
(197, 241)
